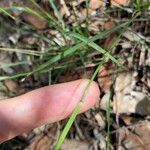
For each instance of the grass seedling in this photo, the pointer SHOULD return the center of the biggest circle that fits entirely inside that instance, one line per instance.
(80, 103)
(77, 108)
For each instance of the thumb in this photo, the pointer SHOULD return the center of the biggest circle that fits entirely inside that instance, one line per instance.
(44, 105)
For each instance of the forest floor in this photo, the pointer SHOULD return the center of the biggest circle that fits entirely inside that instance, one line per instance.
(49, 42)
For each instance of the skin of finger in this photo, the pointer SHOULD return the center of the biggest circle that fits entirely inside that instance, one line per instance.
(45, 105)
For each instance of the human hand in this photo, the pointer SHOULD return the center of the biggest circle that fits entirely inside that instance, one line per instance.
(45, 105)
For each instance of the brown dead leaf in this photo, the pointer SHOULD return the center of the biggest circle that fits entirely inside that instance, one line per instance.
(133, 142)
(64, 9)
(32, 19)
(41, 143)
(100, 120)
(95, 4)
(105, 77)
(139, 139)
(111, 38)
(11, 85)
(143, 132)
(104, 101)
(74, 145)
(109, 24)
(84, 12)
(127, 119)
(109, 41)
(126, 100)
(119, 2)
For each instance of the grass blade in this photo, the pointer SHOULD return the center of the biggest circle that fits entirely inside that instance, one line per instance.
(77, 108)
(73, 49)
(23, 51)
(68, 125)
(2, 10)
(96, 47)
(3, 66)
